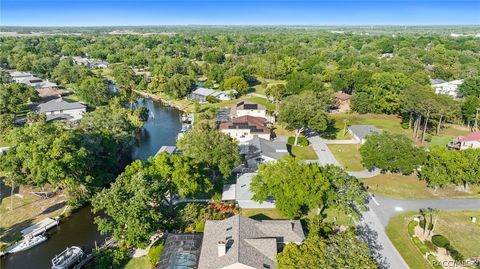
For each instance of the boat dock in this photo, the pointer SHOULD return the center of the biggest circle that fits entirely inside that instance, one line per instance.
(40, 227)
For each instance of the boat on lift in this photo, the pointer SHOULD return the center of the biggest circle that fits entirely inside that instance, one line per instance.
(67, 258)
(28, 243)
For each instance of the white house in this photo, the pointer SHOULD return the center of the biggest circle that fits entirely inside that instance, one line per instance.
(62, 109)
(471, 141)
(246, 128)
(443, 87)
(245, 108)
(201, 94)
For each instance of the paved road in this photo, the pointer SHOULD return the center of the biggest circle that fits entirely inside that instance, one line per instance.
(325, 157)
(324, 154)
(381, 209)
(388, 206)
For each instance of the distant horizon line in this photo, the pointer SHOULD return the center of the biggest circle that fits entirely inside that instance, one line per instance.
(242, 25)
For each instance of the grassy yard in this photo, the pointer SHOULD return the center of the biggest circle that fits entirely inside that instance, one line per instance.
(138, 263)
(398, 233)
(410, 187)
(302, 153)
(348, 156)
(270, 82)
(459, 229)
(262, 214)
(440, 141)
(385, 122)
(454, 225)
(26, 211)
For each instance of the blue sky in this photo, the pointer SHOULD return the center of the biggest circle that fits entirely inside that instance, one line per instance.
(236, 12)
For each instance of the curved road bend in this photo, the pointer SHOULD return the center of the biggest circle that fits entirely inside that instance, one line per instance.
(381, 209)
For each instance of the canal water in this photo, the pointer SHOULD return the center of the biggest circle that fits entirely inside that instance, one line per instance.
(161, 129)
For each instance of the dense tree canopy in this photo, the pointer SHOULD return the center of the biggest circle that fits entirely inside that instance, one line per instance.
(94, 91)
(470, 87)
(303, 111)
(444, 167)
(145, 192)
(298, 188)
(218, 150)
(341, 250)
(14, 95)
(391, 152)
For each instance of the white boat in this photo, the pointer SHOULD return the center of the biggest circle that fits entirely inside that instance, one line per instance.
(28, 243)
(67, 258)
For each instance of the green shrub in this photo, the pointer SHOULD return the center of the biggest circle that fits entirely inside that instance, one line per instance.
(155, 252)
(428, 138)
(212, 99)
(200, 226)
(433, 260)
(302, 141)
(420, 245)
(440, 241)
(411, 227)
(454, 253)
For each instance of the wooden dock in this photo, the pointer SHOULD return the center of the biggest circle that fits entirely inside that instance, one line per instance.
(40, 227)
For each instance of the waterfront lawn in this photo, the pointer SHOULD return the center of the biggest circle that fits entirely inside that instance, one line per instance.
(411, 187)
(459, 229)
(302, 153)
(261, 214)
(27, 210)
(348, 156)
(397, 231)
(138, 263)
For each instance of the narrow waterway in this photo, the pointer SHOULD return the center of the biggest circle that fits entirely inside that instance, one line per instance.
(161, 129)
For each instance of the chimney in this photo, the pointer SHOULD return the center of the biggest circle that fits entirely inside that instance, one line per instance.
(221, 248)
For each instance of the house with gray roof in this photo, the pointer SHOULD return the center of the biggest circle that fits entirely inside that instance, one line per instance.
(360, 132)
(62, 109)
(241, 242)
(201, 94)
(240, 192)
(259, 150)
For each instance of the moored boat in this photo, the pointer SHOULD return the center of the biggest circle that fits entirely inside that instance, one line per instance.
(67, 258)
(28, 243)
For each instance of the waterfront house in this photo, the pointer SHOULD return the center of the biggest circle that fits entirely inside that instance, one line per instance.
(471, 141)
(62, 109)
(245, 108)
(245, 128)
(361, 132)
(259, 150)
(200, 94)
(244, 243)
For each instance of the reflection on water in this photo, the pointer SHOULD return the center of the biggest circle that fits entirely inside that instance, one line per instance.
(161, 129)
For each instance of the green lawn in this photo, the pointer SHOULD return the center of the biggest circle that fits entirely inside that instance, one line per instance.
(262, 214)
(440, 141)
(390, 123)
(138, 263)
(410, 187)
(302, 153)
(398, 233)
(348, 156)
(459, 229)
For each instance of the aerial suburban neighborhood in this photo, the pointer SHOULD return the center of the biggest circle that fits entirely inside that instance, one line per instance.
(239, 134)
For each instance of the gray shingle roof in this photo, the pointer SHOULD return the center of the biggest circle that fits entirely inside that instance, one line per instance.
(259, 146)
(250, 242)
(59, 104)
(203, 91)
(362, 131)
